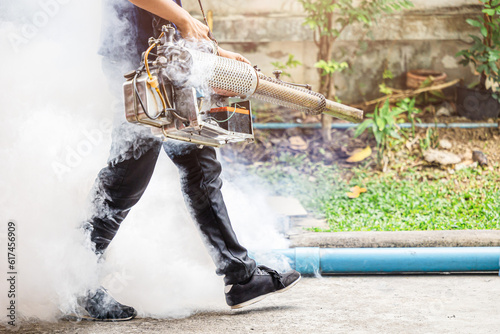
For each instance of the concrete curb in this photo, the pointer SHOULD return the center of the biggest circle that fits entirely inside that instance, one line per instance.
(461, 238)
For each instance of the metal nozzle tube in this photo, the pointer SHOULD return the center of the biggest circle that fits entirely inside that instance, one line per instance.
(233, 78)
(286, 95)
(343, 112)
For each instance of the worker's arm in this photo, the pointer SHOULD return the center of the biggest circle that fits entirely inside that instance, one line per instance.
(188, 26)
(233, 55)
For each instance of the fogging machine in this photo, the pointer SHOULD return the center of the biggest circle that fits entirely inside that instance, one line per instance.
(197, 96)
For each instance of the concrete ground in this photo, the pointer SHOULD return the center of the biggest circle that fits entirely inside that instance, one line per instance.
(337, 304)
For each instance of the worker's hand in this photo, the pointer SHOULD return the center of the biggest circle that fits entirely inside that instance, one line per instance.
(233, 55)
(191, 28)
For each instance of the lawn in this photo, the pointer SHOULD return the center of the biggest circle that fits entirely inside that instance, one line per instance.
(424, 199)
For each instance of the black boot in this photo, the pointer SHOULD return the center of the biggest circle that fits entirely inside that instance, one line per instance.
(101, 306)
(264, 282)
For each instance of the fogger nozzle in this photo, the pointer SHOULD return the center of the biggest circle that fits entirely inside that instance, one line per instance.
(275, 91)
(234, 78)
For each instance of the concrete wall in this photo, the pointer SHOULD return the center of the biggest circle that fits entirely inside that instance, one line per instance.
(426, 36)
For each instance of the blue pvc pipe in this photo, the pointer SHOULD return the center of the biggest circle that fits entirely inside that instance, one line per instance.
(310, 260)
(450, 125)
(284, 126)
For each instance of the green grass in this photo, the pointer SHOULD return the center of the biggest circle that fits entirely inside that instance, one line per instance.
(467, 200)
(415, 200)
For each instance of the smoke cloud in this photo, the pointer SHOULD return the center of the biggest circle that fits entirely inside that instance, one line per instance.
(55, 132)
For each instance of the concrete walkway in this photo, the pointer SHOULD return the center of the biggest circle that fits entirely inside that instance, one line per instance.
(463, 238)
(301, 237)
(338, 304)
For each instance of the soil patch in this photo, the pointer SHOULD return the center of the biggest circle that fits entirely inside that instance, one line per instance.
(308, 143)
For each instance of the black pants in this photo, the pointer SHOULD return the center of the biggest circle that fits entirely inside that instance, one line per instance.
(119, 186)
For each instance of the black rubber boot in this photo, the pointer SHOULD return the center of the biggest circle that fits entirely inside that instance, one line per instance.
(101, 306)
(264, 282)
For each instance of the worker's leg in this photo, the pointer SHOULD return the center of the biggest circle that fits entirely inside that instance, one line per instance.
(118, 187)
(201, 185)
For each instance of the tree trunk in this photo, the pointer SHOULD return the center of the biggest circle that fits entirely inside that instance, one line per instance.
(327, 86)
(326, 121)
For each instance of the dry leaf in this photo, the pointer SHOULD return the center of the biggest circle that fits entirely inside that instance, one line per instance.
(356, 151)
(360, 155)
(297, 143)
(356, 191)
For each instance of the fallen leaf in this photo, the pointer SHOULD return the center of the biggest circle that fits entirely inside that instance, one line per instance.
(356, 151)
(360, 155)
(409, 143)
(297, 143)
(356, 191)
(353, 195)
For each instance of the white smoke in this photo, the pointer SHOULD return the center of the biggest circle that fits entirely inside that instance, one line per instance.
(55, 128)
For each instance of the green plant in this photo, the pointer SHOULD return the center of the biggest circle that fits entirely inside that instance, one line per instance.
(416, 199)
(290, 63)
(431, 140)
(331, 67)
(383, 88)
(387, 74)
(484, 53)
(432, 96)
(402, 202)
(408, 105)
(382, 123)
(291, 159)
(328, 19)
